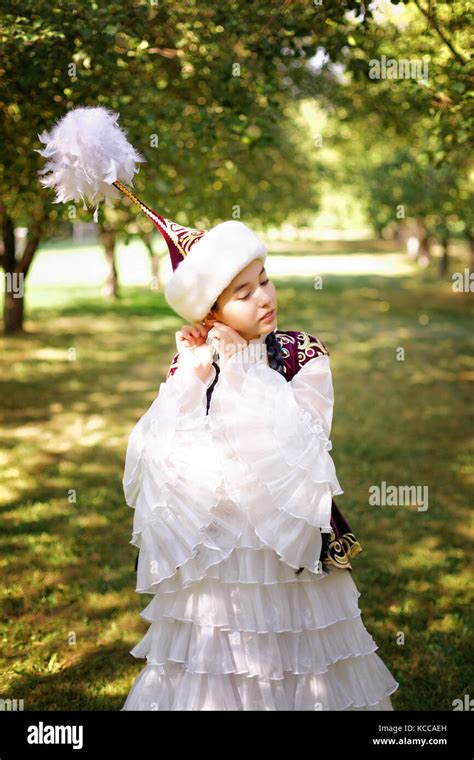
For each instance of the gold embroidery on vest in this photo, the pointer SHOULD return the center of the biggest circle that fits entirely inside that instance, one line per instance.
(309, 347)
(339, 552)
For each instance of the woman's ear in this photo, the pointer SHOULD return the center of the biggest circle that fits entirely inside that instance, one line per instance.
(210, 318)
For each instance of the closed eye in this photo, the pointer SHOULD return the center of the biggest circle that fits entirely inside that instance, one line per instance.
(265, 282)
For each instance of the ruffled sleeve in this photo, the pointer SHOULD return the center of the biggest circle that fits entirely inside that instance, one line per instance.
(171, 479)
(180, 404)
(313, 389)
(280, 431)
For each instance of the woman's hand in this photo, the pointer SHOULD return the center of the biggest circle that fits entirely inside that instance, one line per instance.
(193, 349)
(228, 340)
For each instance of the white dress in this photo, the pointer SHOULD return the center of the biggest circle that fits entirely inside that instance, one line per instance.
(227, 506)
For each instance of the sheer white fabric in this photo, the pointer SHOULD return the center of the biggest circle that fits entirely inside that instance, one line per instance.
(227, 506)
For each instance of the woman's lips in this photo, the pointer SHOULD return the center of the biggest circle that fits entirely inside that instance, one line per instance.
(268, 317)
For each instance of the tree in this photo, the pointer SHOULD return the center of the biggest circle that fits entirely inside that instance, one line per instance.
(403, 140)
(201, 89)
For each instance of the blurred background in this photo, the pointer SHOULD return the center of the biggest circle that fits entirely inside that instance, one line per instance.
(340, 132)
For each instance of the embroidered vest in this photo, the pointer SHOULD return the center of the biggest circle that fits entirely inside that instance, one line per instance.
(297, 348)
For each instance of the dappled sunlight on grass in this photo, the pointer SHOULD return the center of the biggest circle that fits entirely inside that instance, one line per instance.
(90, 521)
(66, 559)
(96, 603)
(428, 554)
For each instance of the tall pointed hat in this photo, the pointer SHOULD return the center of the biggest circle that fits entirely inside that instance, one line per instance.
(89, 157)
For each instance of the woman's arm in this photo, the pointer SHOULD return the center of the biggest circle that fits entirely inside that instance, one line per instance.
(179, 406)
(313, 391)
(171, 479)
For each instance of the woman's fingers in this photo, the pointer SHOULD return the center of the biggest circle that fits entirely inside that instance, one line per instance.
(192, 334)
(188, 332)
(196, 330)
(184, 339)
(223, 330)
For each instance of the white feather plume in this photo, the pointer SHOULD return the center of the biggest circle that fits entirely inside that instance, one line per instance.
(86, 151)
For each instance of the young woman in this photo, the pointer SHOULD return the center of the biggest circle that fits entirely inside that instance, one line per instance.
(240, 541)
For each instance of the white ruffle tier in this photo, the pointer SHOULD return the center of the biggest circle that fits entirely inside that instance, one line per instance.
(227, 635)
(252, 635)
(349, 684)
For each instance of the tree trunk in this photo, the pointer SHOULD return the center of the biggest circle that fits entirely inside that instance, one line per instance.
(16, 271)
(401, 234)
(13, 311)
(444, 260)
(110, 288)
(154, 260)
(12, 315)
(424, 253)
(470, 240)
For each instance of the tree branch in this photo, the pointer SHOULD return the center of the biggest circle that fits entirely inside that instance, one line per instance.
(430, 15)
(32, 244)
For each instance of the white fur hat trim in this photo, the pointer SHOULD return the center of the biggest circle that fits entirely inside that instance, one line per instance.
(209, 267)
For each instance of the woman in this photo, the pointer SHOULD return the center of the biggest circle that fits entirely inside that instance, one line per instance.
(241, 543)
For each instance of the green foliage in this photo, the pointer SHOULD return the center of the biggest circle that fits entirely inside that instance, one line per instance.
(440, 107)
(398, 183)
(403, 141)
(208, 83)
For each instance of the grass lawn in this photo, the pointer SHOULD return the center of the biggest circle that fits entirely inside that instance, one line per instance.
(74, 386)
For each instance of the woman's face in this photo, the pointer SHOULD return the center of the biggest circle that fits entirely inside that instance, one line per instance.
(248, 298)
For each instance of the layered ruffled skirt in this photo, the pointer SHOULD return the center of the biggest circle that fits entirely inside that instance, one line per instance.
(228, 507)
(252, 635)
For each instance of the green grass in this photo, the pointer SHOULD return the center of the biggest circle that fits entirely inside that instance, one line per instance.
(77, 382)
